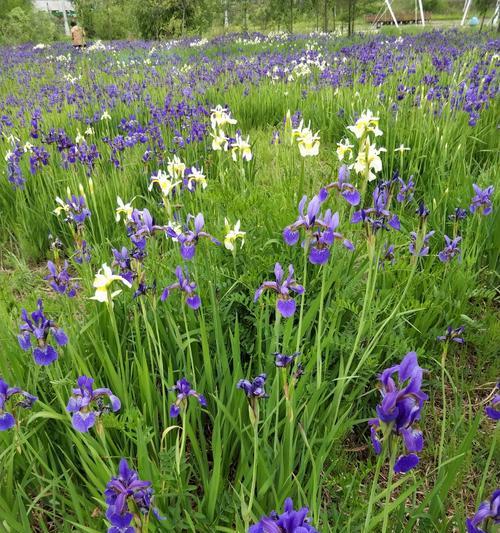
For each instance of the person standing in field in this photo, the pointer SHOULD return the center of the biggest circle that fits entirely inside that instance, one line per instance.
(77, 35)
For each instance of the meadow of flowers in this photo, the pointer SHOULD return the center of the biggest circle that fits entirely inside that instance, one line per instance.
(248, 284)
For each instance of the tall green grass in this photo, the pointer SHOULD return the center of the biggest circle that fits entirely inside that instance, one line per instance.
(357, 319)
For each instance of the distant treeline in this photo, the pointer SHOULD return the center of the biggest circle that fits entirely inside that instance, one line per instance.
(158, 19)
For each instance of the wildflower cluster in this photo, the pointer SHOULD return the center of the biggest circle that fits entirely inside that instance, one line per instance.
(289, 521)
(87, 404)
(282, 287)
(24, 400)
(40, 329)
(240, 148)
(399, 410)
(128, 498)
(319, 230)
(145, 343)
(307, 141)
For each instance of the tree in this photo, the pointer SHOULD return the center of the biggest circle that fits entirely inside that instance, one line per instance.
(23, 25)
(482, 7)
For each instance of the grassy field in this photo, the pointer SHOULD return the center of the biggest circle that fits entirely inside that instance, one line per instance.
(108, 123)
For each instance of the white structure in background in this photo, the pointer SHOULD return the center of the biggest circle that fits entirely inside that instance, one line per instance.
(60, 6)
(388, 7)
(494, 20)
(466, 10)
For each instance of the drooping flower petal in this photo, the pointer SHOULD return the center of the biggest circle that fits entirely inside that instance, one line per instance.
(45, 356)
(82, 422)
(286, 307)
(7, 421)
(405, 463)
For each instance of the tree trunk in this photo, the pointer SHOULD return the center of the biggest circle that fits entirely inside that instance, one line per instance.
(183, 17)
(226, 15)
(353, 15)
(291, 16)
(349, 17)
(325, 15)
(482, 22)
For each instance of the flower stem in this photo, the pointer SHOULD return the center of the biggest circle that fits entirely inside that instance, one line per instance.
(277, 380)
(182, 447)
(302, 173)
(389, 485)
(361, 327)
(373, 342)
(190, 351)
(319, 361)
(443, 396)
(381, 459)
(277, 332)
(255, 423)
(301, 313)
(486, 471)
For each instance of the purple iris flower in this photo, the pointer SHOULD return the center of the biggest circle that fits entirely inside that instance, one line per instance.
(378, 216)
(184, 285)
(306, 221)
(39, 157)
(188, 239)
(388, 255)
(482, 200)
(458, 214)
(323, 238)
(82, 253)
(424, 250)
(124, 494)
(493, 410)
(405, 193)
(55, 243)
(144, 288)
(183, 390)
(290, 521)
(40, 327)
(140, 226)
(7, 420)
(14, 171)
(488, 510)
(254, 388)
(75, 210)
(450, 250)
(282, 287)
(399, 409)
(320, 230)
(283, 361)
(122, 260)
(347, 190)
(61, 280)
(81, 404)
(453, 334)
(422, 211)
